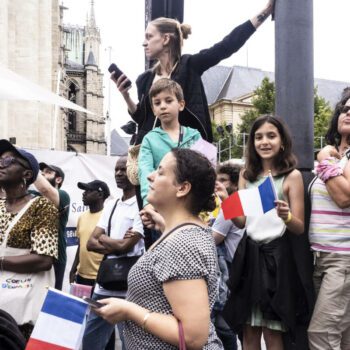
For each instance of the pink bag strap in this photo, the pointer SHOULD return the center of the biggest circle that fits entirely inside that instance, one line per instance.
(182, 343)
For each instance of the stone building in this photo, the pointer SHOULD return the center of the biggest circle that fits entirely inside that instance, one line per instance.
(83, 84)
(230, 91)
(32, 44)
(30, 40)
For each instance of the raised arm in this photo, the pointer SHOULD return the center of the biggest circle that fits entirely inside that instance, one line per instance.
(47, 190)
(262, 15)
(208, 58)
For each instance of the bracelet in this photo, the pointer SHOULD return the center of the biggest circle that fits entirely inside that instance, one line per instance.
(145, 320)
(2, 263)
(289, 218)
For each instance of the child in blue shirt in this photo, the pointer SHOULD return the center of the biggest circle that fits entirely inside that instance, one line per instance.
(167, 101)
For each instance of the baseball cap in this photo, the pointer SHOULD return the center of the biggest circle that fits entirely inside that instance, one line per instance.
(6, 146)
(55, 168)
(95, 185)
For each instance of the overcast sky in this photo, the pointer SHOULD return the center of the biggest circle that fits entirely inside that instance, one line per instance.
(121, 23)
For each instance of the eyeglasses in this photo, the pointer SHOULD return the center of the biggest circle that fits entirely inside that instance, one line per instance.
(345, 109)
(7, 161)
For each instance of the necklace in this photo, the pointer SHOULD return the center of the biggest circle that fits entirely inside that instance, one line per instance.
(19, 197)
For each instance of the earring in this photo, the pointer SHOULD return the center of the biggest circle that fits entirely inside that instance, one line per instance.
(24, 183)
(282, 148)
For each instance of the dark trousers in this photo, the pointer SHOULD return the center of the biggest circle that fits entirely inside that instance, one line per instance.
(224, 332)
(59, 274)
(84, 281)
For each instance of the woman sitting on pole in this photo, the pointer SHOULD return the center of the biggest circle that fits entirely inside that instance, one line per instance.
(163, 43)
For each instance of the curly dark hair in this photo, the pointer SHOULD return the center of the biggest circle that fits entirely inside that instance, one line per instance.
(232, 170)
(193, 167)
(332, 136)
(284, 162)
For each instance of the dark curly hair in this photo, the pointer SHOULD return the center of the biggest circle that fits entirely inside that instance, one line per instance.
(332, 136)
(232, 170)
(285, 160)
(193, 167)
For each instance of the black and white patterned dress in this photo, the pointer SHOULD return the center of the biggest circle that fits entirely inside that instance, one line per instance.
(187, 254)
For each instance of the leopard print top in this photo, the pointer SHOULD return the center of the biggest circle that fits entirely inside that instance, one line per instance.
(36, 230)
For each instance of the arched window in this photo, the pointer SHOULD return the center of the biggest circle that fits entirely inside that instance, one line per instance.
(72, 115)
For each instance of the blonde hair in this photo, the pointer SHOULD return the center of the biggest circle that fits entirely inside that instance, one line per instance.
(177, 32)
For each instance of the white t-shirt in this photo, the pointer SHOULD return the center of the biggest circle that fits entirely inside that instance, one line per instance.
(231, 233)
(125, 215)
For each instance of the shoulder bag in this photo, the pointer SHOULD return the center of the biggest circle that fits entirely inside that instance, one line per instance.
(22, 294)
(113, 272)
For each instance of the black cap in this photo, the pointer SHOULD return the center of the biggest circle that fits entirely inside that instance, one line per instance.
(95, 185)
(6, 146)
(55, 168)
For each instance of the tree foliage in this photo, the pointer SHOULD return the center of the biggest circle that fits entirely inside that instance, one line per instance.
(322, 116)
(264, 103)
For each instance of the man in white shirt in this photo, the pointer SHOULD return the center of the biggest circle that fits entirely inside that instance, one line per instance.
(125, 218)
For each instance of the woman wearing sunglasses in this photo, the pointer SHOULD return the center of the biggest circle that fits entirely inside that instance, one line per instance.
(329, 236)
(28, 238)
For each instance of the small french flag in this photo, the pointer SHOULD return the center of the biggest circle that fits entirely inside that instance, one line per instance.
(60, 324)
(251, 202)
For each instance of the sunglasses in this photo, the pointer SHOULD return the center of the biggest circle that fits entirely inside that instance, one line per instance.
(345, 109)
(7, 161)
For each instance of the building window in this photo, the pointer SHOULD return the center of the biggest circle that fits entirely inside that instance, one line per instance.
(72, 115)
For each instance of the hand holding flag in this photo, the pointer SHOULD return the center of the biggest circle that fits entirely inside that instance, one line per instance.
(60, 324)
(251, 202)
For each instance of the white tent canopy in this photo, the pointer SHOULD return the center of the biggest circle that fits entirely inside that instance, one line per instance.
(15, 87)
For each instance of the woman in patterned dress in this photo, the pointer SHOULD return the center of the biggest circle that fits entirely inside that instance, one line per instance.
(29, 246)
(176, 279)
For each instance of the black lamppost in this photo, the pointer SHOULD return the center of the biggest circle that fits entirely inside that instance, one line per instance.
(295, 103)
(295, 75)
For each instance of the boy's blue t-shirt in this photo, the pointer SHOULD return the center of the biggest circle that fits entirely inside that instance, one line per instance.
(155, 145)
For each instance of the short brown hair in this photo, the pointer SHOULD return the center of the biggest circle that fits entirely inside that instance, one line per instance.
(165, 84)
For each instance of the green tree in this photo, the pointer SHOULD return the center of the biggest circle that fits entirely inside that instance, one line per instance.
(264, 103)
(322, 116)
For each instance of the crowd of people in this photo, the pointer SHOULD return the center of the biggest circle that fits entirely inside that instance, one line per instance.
(164, 265)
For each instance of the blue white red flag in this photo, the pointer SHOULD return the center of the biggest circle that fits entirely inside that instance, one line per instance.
(60, 324)
(250, 202)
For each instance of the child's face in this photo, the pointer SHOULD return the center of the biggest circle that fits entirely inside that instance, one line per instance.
(267, 141)
(166, 106)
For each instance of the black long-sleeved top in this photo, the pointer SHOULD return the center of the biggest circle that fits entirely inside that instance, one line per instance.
(188, 74)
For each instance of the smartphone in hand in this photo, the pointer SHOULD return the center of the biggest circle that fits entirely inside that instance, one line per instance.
(117, 73)
(92, 302)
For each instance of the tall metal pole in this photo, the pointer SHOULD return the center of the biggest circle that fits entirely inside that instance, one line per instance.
(295, 103)
(295, 74)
